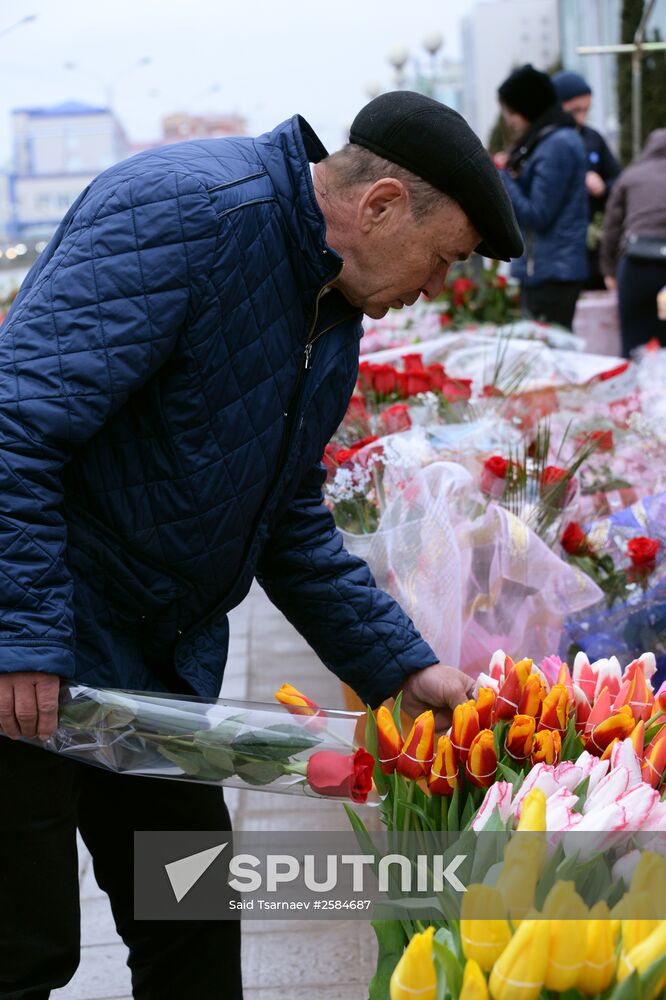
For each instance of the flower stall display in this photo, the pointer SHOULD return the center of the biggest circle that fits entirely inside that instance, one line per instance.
(550, 754)
(293, 747)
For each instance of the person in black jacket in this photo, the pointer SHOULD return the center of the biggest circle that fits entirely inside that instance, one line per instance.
(575, 96)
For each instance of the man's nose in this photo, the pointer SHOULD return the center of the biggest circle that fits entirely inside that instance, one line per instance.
(436, 282)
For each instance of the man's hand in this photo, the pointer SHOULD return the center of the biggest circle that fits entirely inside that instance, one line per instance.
(595, 184)
(439, 688)
(29, 704)
(610, 283)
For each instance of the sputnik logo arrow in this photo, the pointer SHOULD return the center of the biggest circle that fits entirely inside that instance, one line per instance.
(186, 872)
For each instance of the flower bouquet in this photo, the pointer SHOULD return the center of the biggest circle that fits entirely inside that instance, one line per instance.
(290, 747)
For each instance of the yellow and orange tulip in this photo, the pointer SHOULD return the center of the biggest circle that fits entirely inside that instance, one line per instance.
(416, 756)
(532, 696)
(617, 727)
(520, 737)
(510, 692)
(485, 705)
(554, 709)
(389, 741)
(464, 728)
(654, 760)
(481, 764)
(443, 776)
(547, 747)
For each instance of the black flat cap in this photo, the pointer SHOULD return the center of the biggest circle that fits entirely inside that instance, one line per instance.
(434, 142)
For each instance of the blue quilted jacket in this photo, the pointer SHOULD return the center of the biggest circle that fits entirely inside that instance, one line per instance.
(551, 205)
(170, 375)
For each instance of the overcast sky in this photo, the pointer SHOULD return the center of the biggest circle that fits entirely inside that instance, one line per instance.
(268, 60)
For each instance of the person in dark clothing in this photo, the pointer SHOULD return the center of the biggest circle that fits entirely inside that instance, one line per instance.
(545, 179)
(633, 245)
(575, 95)
(170, 374)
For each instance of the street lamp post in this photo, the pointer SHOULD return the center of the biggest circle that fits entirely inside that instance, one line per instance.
(107, 84)
(426, 78)
(17, 24)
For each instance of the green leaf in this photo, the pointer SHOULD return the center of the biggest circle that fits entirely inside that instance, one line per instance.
(652, 976)
(448, 968)
(191, 763)
(273, 743)
(509, 774)
(468, 813)
(81, 714)
(454, 805)
(378, 775)
(220, 759)
(396, 711)
(581, 791)
(572, 745)
(391, 941)
(629, 989)
(259, 772)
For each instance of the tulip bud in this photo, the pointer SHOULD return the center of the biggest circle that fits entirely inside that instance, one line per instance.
(416, 756)
(532, 697)
(443, 777)
(508, 697)
(483, 939)
(481, 764)
(617, 727)
(635, 911)
(485, 704)
(474, 986)
(464, 728)
(520, 971)
(414, 975)
(547, 747)
(600, 711)
(567, 944)
(637, 738)
(554, 709)
(533, 812)
(635, 693)
(599, 966)
(654, 760)
(520, 737)
(389, 740)
(643, 955)
(650, 875)
(299, 704)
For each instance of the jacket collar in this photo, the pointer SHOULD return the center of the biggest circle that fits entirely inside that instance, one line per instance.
(287, 152)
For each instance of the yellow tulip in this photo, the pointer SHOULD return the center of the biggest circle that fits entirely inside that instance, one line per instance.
(599, 967)
(483, 939)
(567, 944)
(520, 971)
(643, 955)
(524, 858)
(533, 812)
(650, 875)
(414, 976)
(474, 986)
(636, 912)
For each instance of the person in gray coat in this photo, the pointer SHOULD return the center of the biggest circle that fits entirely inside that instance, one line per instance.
(633, 245)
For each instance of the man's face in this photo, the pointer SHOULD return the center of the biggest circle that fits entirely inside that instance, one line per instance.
(395, 258)
(579, 107)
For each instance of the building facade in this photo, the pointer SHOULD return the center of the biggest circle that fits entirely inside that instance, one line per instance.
(497, 36)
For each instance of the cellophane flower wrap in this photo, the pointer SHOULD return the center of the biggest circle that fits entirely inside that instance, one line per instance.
(294, 746)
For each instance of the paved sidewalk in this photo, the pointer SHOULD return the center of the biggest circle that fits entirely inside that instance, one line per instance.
(298, 960)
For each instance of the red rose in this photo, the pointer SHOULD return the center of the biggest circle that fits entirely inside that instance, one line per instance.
(642, 551)
(341, 775)
(384, 379)
(493, 476)
(457, 390)
(602, 439)
(498, 465)
(437, 376)
(357, 409)
(491, 390)
(416, 382)
(445, 319)
(413, 363)
(331, 457)
(349, 454)
(500, 281)
(557, 486)
(574, 540)
(459, 291)
(395, 418)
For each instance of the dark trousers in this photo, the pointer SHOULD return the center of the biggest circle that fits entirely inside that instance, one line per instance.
(551, 302)
(638, 282)
(43, 798)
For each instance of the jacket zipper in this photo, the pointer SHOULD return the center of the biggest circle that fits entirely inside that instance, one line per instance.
(304, 366)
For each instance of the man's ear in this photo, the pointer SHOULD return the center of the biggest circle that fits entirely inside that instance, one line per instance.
(381, 202)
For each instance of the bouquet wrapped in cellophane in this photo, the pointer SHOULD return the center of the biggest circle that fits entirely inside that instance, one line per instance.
(294, 746)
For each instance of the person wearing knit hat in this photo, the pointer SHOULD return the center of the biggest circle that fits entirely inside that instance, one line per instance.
(575, 96)
(544, 176)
